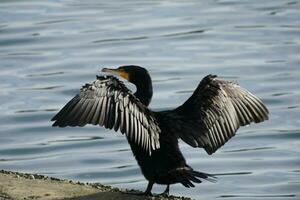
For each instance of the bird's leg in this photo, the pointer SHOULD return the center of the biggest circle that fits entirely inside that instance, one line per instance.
(149, 188)
(166, 192)
(146, 193)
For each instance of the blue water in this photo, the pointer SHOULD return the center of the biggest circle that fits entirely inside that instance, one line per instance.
(49, 48)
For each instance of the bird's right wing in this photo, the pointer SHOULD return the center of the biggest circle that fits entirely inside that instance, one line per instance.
(109, 103)
(214, 112)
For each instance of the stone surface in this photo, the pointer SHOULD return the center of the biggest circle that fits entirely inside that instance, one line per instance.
(21, 186)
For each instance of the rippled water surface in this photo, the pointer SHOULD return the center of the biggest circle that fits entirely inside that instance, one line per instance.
(49, 48)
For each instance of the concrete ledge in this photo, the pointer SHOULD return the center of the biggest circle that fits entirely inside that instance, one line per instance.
(17, 186)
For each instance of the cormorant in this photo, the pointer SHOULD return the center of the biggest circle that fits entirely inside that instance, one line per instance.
(208, 119)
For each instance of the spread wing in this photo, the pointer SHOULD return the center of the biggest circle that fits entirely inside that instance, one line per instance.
(108, 102)
(214, 112)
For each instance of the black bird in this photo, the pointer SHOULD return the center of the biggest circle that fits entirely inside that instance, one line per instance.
(208, 119)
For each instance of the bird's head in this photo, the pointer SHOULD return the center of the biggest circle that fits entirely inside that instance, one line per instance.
(132, 73)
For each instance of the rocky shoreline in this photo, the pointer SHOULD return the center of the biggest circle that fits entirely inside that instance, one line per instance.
(23, 186)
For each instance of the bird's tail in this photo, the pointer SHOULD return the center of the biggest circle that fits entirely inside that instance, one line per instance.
(187, 176)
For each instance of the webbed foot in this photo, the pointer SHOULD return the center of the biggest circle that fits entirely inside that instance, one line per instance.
(166, 192)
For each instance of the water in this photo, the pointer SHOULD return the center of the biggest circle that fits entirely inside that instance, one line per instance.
(48, 49)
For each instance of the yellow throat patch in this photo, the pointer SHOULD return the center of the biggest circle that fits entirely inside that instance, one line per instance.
(123, 74)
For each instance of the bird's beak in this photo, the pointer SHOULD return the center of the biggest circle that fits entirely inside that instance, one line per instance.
(118, 72)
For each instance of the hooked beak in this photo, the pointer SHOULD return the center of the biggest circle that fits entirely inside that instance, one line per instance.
(112, 71)
(118, 72)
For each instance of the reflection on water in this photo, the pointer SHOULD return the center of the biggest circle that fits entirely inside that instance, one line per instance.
(50, 48)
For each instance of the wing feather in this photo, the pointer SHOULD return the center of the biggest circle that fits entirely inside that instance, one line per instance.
(214, 112)
(107, 102)
(117, 117)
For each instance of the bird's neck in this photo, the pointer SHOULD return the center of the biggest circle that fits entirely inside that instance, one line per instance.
(144, 91)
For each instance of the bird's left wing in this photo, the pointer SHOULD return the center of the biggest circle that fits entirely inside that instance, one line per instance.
(212, 115)
(108, 102)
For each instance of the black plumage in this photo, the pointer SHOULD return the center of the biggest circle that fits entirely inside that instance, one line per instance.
(208, 119)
